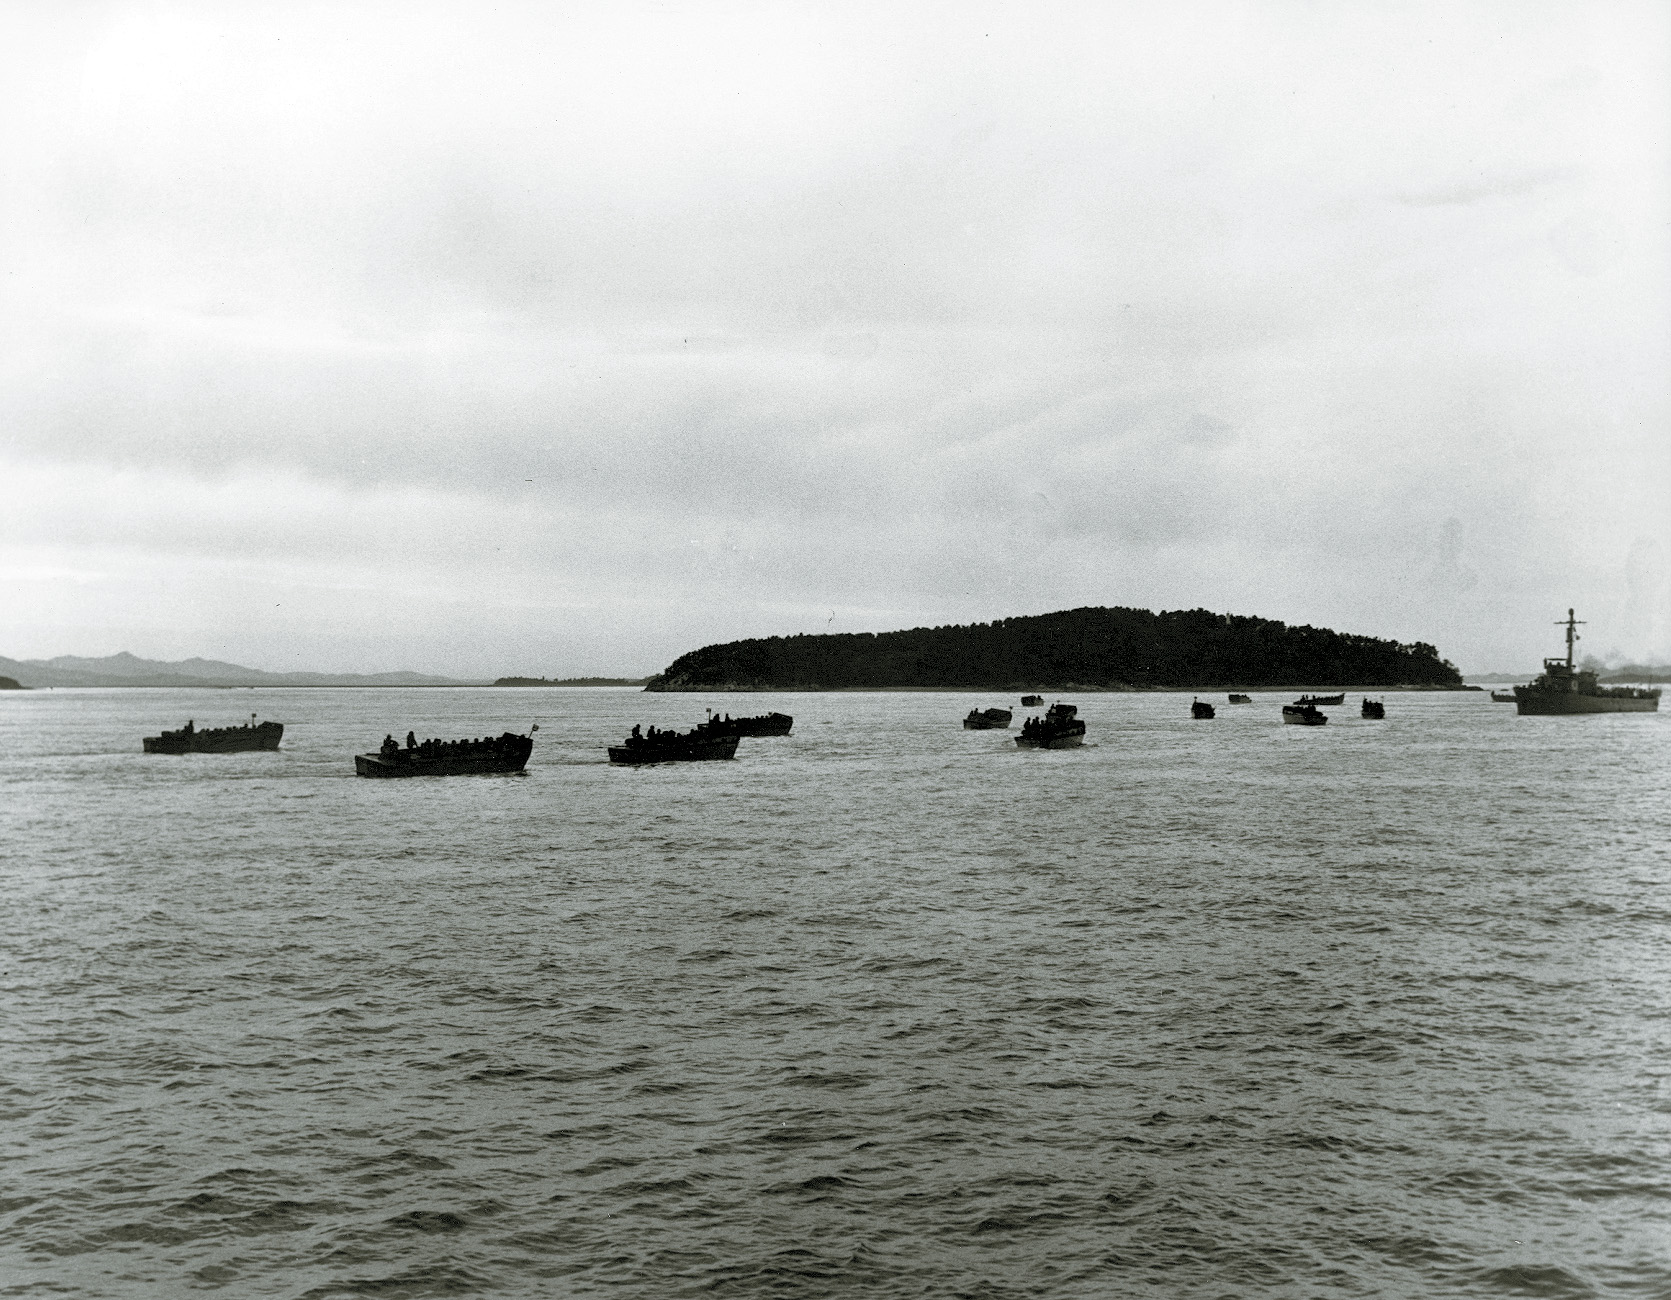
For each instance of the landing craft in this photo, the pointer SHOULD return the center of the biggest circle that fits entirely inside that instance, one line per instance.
(481, 757)
(217, 740)
(1058, 729)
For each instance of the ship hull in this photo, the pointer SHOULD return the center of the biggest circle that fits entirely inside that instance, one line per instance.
(770, 724)
(1572, 702)
(226, 740)
(375, 765)
(1299, 718)
(699, 751)
(1073, 740)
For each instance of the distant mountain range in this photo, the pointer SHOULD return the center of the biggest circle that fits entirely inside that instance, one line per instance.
(571, 681)
(1636, 673)
(1623, 673)
(130, 670)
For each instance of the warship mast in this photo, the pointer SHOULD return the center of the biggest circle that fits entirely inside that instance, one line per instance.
(1572, 625)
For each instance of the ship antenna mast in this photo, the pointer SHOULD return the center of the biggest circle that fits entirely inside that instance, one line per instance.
(1572, 625)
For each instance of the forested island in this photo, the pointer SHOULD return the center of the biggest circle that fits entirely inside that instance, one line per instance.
(1093, 648)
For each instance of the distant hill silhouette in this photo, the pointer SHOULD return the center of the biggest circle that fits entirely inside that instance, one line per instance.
(11, 684)
(129, 670)
(1635, 673)
(1092, 648)
(570, 681)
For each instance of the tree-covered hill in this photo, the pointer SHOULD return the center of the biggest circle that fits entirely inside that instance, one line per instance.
(1089, 649)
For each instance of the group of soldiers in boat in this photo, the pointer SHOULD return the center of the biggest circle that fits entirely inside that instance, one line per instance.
(424, 749)
(661, 738)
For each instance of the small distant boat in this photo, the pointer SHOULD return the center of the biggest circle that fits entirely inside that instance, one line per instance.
(1241, 699)
(987, 720)
(1320, 699)
(1199, 710)
(217, 740)
(702, 743)
(764, 724)
(1304, 715)
(1374, 709)
(1502, 697)
(482, 757)
(1031, 701)
(1058, 729)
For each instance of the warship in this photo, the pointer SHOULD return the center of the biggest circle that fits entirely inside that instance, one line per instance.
(1562, 688)
(506, 753)
(217, 740)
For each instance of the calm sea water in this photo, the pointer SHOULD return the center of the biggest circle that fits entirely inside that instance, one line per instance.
(882, 1008)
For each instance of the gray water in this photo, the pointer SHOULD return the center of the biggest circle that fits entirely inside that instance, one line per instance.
(882, 1008)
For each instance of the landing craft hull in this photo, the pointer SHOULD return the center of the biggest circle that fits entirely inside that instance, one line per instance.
(227, 740)
(1073, 740)
(700, 751)
(770, 724)
(376, 765)
(1572, 702)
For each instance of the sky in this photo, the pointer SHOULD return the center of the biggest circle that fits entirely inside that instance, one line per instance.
(562, 339)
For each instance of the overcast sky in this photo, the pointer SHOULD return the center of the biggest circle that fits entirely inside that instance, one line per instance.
(563, 339)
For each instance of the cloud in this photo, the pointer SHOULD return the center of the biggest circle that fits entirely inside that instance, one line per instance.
(707, 321)
(1477, 188)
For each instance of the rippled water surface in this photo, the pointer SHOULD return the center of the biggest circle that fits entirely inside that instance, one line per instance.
(882, 1008)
